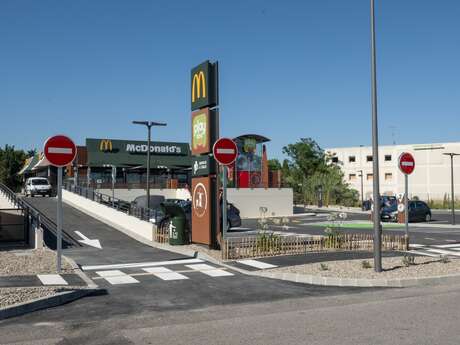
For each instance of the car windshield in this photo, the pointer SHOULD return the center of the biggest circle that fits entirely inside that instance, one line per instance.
(390, 208)
(40, 182)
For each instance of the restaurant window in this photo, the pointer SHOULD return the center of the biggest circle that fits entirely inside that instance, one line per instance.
(351, 159)
(388, 176)
(387, 158)
(352, 177)
(369, 158)
(369, 177)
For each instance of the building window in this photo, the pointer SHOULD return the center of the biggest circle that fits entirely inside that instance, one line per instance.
(387, 158)
(352, 177)
(369, 158)
(335, 159)
(388, 176)
(352, 159)
(369, 177)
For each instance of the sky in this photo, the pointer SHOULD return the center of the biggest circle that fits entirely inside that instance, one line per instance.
(288, 69)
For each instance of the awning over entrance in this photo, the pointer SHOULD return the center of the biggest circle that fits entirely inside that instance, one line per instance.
(133, 154)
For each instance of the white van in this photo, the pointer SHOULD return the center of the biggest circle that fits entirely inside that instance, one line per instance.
(38, 186)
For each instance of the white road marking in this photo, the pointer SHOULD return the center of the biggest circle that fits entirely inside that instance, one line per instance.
(419, 252)
(430, 239)
(226, 151)
(62, 150)
(141, 264)
(456, 245)
(51, 279)
(165, 273)
(93, 243)
(116, 277)
(209, 270)
(441, 251)
(256, 264)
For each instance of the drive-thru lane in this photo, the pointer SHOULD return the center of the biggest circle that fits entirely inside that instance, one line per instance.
(116, 246)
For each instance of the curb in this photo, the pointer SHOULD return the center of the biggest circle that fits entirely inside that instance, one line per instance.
(331, 281)
(45, 302)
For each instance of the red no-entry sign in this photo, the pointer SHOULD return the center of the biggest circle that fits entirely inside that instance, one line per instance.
(406, 163)
(225, 151)
(60, 150)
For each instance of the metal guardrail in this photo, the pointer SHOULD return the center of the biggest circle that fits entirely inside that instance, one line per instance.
(34, 217)
(129, 208)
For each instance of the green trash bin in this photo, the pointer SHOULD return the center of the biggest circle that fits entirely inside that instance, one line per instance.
(177, 228)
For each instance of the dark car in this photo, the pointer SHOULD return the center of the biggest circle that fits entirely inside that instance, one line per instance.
(233, 214)
(419, 211)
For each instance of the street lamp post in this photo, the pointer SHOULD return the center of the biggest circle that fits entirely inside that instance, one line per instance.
(452, 195)
(375, 151)
(149, 125)
(362, 189)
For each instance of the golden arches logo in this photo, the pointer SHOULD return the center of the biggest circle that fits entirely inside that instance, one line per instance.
(198, 84)
(106, 145)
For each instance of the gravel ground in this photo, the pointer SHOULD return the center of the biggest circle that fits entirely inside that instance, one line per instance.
(30, 261)
(10, 296)
(393, 268)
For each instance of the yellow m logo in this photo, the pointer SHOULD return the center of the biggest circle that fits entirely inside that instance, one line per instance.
(106, 145)
(198, 84)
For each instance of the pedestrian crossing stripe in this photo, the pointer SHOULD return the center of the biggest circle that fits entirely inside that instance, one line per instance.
(436, 250)
(209, 270)
(51, 279)
(116, 277)
(165, 273)
(256, 264)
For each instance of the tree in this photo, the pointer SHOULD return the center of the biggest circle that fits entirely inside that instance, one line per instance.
(309, 171)
(11, 162)
(274, 164)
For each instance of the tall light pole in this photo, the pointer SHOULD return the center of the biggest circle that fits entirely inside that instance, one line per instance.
(375, 151)
(452, 195)
(149, 125)
(362, 189)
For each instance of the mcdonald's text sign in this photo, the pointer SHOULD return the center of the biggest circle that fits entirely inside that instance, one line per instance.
(203, 88)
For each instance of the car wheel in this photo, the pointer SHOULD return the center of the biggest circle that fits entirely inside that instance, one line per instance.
(428, 217)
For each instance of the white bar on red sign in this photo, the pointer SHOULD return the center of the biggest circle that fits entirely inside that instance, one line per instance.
(62, 150)
(407, 164)
(226, 151)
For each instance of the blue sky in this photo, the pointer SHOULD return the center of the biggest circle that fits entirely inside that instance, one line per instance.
(288, 69)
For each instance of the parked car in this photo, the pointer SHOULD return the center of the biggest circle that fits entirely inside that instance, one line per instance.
(419, 211)
(233, 214)
(38, 186)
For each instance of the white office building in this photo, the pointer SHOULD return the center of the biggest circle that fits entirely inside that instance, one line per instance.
(431, 179)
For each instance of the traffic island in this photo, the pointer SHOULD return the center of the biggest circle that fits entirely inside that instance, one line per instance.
(28, 282)
(400, 271)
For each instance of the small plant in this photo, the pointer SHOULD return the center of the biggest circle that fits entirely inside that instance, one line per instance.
(408, 260)
(323, 267)
(365, 264)
(444, 259)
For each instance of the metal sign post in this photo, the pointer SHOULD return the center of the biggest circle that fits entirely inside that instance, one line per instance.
(60, 151)
(224, 203)
(225, 152)
(114, 177)
(59, 220)
(406, 208)
(406, 164)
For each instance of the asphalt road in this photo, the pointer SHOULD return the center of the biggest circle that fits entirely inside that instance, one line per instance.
(415, 316)
(308, 224)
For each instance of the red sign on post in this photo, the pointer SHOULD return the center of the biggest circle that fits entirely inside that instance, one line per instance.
(406, 163)
(225, 151)
(60, 150)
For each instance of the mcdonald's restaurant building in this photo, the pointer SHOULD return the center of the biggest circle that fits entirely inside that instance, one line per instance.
(170, 163)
